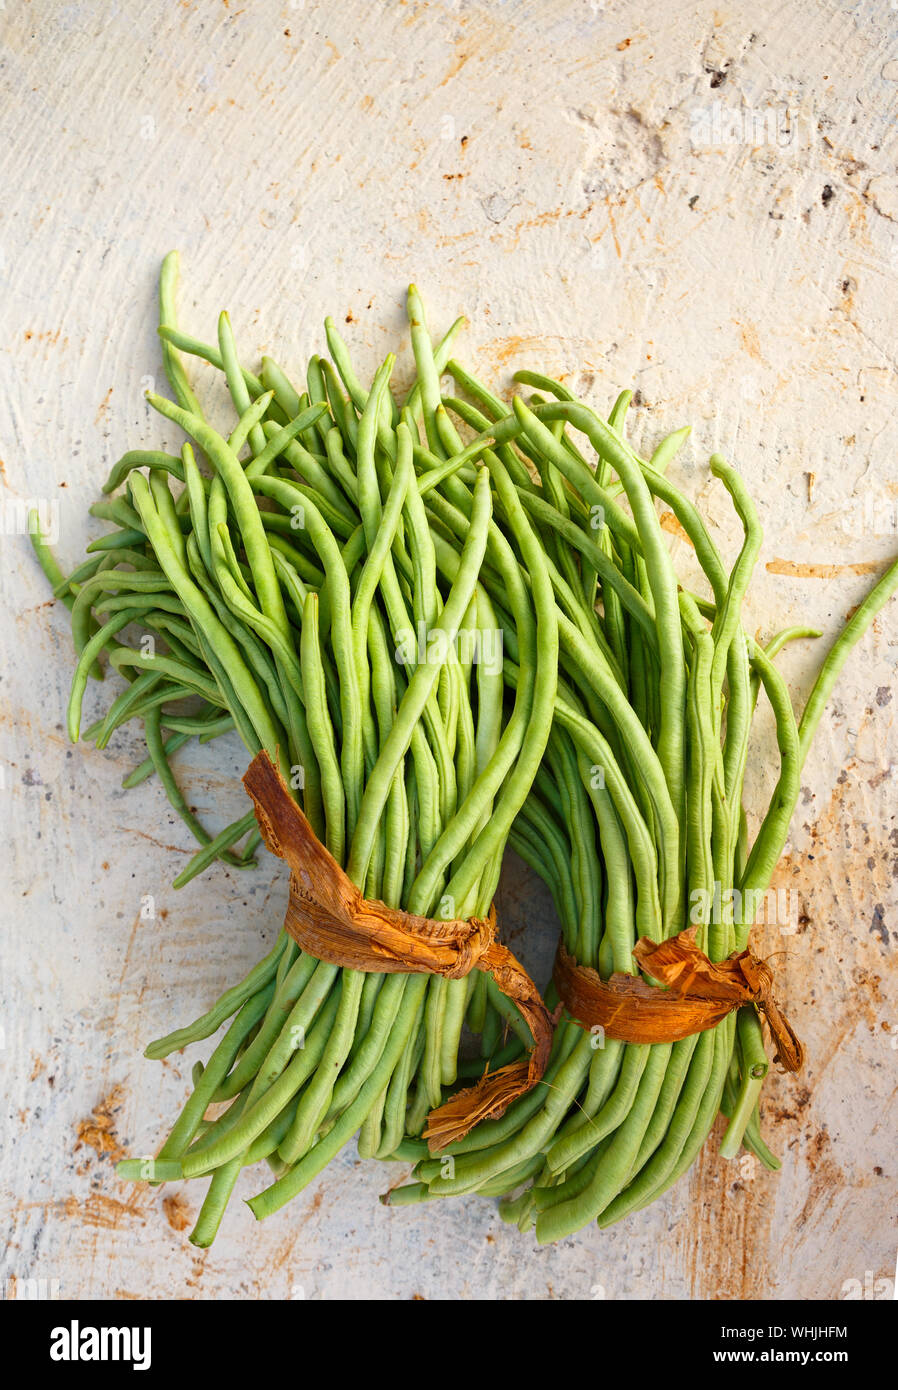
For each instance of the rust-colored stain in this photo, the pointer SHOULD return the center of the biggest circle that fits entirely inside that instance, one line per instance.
(505, 350)
(106, 1213)
(613, 228)
(735, 1203)
(284, 1256)
(455, 67)
(103, 407)
(729, 1220)
(177, 1212)
(732, 1204)
(127, 961)
(97, 1209)
(551, 215)
(98, 1132)
(161, 844)
(198, 1264)
(750, 340)
(668, 522)
(812, 571)
(50, 336)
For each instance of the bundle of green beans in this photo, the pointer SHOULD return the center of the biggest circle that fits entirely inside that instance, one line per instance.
(295, 590)
(282, 587)
(635, 819)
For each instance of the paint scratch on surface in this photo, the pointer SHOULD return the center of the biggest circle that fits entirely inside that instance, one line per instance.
(797, 570)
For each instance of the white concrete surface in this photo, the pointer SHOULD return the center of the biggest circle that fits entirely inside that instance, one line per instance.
(697, 199)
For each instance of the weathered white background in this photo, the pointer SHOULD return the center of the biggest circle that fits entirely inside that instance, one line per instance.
(697, 199)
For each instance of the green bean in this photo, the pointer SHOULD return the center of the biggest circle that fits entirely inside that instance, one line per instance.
(419, 688)
(284, 1023)
(371, 1048)
(726, 620)
(143, 458)
(340, 622)
(612, 1114)
(91, 650)
(171, 358)
(119, 511)
(471, 1173)
(278, 440)
(837, 655)
(396, 1101)
(240, 494)
(689, 1126)
(342, 410)
(257, 1116)
(755, 1067)
(567, 1217)
(428, 375)
(146, 769)
(771, 837)
(224, 1008)
(316, 1098)
(321, 730)
(189, 675)
(205, 620)
(661, 577)
(302, 1173)
(216, 1068)
(441, 354)
(176, 338)
(248, 426)
(213, 850)
(274, 379)
(172, 790)
(369, 487)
